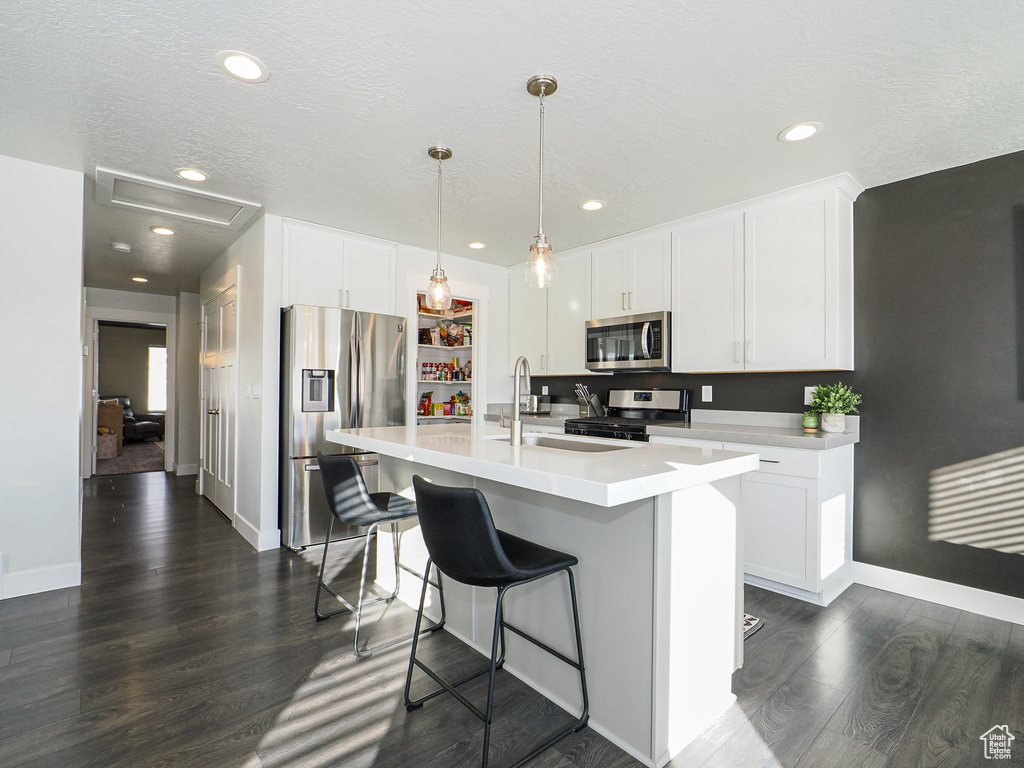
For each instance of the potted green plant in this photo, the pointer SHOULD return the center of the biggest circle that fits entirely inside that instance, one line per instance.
(833, 402)
(810, 422)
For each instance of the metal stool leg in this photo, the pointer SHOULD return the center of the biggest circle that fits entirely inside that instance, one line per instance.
(497, 635)
(398, 567)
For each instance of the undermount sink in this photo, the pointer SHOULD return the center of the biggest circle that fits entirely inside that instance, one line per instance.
(583, 446)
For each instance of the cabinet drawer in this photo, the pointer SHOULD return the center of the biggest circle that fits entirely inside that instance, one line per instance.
(782, 461)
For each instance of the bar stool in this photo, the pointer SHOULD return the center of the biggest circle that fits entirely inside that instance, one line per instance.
(464, 545)
(351, 503)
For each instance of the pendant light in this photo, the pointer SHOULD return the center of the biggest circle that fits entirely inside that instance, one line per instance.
(439, 295)
(541, 270)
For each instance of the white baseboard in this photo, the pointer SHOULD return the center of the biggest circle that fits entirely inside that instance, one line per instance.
(21, 583)
(970, 599)
(259, 540)
(186, 469)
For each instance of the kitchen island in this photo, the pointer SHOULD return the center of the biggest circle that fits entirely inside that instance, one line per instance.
(656, 529)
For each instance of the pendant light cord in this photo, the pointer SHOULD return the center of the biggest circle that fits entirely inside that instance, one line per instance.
(540, 207)
(439, 163)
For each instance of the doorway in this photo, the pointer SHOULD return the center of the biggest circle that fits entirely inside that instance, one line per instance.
(131, 371)
(91, 389)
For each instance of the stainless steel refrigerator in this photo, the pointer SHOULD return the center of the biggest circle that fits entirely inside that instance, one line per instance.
(339, 370)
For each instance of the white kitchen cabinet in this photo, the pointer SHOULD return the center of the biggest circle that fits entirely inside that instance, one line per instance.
(707, 314)
(798, 521)
(797, 518)
(631, 275)
(328, 267)
(548, 325)
(527, 320)
(767, 285)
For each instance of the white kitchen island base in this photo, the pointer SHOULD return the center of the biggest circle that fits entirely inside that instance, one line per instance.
(660, 596)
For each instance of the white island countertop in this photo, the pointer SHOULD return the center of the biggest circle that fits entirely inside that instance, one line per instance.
(636, 471)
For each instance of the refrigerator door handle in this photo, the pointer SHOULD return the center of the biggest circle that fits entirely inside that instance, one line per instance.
(353, 396)
(362, 379)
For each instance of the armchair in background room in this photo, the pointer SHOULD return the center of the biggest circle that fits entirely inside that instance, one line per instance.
(138, 426)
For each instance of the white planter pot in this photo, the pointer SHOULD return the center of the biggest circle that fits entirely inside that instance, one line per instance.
(833, 422)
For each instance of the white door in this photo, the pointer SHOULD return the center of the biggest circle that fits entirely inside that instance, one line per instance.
(220, 328)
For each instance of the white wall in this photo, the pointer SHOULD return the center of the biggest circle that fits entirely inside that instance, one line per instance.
(257, 254)
(186, 462)
(129, 306)
(41, 247)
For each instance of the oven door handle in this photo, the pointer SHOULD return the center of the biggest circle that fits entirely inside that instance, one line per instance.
(643, 340)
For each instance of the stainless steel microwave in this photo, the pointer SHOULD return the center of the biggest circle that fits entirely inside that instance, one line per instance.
(630, 343)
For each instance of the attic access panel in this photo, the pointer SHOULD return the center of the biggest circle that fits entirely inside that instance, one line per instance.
(140, 193)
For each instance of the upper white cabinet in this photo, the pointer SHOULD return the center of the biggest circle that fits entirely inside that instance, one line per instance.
(707, 314)
(767, 285)
(548, 325)
(329, 267)
(632, 274)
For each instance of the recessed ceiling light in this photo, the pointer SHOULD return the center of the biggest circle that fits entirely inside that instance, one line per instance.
(476, 245)
(140, 280)
(800, 131)
(121, 247)
(592, 205)
(243, 66)
(192, 174)
(161, 230)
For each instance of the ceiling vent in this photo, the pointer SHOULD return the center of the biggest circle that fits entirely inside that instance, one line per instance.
(126, 190)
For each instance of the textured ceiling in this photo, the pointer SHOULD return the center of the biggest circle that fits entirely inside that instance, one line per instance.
(664, 109)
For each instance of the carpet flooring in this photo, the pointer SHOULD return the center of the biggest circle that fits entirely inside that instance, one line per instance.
(136, 457)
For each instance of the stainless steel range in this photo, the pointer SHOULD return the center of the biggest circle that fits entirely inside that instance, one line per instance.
(630, 411)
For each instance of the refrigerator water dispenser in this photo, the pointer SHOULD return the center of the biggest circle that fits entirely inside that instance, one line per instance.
(317, 390)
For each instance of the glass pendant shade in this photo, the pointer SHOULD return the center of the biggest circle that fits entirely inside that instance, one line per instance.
(439, 295)
(541, 270)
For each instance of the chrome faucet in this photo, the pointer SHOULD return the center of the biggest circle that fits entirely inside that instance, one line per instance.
(522, 364)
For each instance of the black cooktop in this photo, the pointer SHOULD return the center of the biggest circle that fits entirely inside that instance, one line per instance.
(622, 422)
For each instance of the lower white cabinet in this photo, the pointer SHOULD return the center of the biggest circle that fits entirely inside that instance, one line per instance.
(797, 518)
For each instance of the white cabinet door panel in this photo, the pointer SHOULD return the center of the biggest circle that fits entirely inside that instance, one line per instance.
(527, 320)
(787, 286)
(315, 260)
(609, 289)
(370, 276)
(649, 274)
(568, 312)
(780, 529)
(707, 310)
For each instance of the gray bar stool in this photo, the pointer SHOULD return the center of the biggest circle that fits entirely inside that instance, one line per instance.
(464, 545)
(351, 503)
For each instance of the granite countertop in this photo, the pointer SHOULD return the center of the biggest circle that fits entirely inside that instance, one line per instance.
(629, 471)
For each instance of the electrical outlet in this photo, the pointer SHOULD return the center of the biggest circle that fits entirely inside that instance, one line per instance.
(808, 395)
(705, 394)
(544, 389)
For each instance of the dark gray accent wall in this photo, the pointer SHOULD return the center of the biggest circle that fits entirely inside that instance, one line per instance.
(939, 265)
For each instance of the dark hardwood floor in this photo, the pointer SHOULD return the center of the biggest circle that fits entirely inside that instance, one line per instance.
(184, 647)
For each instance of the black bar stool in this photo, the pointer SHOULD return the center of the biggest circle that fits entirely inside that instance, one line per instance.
(351, 503)
(464, 545)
